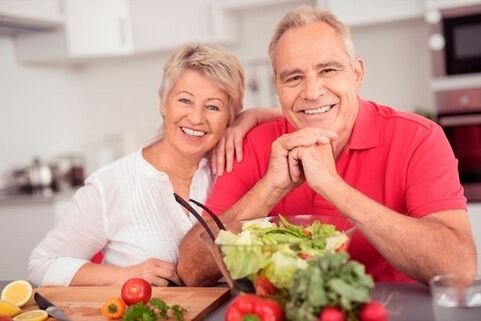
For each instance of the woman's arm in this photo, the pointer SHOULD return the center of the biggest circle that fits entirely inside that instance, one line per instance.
(63, 257)
(222, 156)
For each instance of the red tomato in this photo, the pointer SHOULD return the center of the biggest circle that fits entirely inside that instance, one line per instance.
(373, 311)
(136, 290)
(264, 287)
(5, 318)
(331, 314)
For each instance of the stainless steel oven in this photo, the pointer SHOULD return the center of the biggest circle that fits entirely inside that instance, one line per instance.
(459, 113)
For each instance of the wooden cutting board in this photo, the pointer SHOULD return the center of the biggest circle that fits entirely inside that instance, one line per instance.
(83, 303)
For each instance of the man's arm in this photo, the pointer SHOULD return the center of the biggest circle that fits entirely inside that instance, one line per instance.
(196, 266)
(420, 248)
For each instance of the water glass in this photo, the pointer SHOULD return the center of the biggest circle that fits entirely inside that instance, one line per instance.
(456, 297)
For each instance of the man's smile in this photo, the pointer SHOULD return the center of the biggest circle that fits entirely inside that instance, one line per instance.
(317, 110)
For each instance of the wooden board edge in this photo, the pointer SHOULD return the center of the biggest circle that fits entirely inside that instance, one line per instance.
(218, 302)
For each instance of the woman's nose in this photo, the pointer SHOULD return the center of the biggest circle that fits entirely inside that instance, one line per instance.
(313, 88)
(196, 115)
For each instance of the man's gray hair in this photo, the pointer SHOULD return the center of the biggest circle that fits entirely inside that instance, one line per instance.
(303, 15)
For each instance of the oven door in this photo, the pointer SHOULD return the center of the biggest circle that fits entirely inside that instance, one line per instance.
(464, 134)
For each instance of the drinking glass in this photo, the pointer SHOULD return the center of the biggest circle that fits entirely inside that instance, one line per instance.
(456, 297)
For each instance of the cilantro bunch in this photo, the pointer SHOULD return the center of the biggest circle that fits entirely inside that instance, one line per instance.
(330, 280)
(156, 308)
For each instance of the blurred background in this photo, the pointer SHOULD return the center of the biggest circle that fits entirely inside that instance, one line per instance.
(79, 81)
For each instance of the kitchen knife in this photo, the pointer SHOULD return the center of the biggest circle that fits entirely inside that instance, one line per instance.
(49, 307)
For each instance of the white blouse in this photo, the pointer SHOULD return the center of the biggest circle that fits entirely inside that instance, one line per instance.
(126, 210)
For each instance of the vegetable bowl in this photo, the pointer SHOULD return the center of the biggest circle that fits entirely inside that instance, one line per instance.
(266, 252)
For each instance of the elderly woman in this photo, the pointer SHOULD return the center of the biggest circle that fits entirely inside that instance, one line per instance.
(127, 209)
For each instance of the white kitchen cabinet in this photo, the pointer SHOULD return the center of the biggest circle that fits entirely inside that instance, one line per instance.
(358, 13)
(25, 222)
(448, 4)
(48, 11)
(125, 27)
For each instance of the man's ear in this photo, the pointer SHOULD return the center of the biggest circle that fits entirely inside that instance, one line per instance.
(359, 71)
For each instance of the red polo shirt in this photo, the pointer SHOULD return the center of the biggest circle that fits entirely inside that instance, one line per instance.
(398, 159)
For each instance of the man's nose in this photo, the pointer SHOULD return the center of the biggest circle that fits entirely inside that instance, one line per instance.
(313, 88)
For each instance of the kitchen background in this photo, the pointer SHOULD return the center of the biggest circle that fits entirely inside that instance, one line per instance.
(79, 80)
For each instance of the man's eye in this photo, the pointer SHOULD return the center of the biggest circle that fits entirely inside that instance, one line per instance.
(293, 81)
(327, 71)
(213, 108)
(185, 100)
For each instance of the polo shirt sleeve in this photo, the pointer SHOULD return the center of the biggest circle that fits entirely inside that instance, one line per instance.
(230, 187)
(433, 183)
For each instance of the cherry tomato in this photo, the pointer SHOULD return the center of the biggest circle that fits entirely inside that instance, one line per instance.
(136, 290)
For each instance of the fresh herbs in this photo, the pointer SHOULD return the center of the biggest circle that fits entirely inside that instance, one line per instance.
(156, 308)
(330, 280)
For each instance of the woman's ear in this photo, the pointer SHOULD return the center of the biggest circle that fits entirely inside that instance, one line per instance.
(162, 107)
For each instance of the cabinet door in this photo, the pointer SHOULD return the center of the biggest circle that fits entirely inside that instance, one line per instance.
(355, 13)
(167, 24)
(97, 28)
(41, 10)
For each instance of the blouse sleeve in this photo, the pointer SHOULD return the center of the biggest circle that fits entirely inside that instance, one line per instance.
(73, 241)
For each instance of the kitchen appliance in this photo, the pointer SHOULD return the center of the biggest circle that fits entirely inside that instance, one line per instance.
(455, 40)
(459, 113)
(36, 177)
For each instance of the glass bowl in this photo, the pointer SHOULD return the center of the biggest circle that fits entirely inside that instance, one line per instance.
(275, 253)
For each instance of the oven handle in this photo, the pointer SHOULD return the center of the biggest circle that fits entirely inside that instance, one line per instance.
(459, 120)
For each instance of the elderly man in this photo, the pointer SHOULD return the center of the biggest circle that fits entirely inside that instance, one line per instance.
(392, 173)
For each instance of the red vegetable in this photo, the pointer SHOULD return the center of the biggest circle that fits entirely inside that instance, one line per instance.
(331, 314)
(373, 311)
(252, 307)
(304, 256)
(264, 287)
(5, 318)
(136, 290)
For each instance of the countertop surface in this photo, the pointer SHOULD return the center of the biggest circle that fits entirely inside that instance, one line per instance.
(404, 301)
(19, 198)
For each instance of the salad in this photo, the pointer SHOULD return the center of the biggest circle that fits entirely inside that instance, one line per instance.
(275, 251)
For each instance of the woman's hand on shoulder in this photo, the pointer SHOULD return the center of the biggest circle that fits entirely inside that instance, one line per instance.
(230, 145)
(155, 271)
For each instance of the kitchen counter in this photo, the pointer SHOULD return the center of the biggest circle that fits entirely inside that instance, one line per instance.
(35, 198)
(404, 301)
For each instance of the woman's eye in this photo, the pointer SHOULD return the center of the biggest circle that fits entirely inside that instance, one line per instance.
(213, 108)
(185, 100)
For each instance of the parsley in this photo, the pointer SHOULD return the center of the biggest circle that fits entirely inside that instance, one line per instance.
(156, 308)
(330, 280)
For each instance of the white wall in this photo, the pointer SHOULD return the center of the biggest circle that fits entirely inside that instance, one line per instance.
(398, 69)
(39, 110)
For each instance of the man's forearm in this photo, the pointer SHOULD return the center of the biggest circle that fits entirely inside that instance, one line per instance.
(196, 265)
(420, 248)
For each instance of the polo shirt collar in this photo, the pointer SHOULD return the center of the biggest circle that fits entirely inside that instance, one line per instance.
(365, 133)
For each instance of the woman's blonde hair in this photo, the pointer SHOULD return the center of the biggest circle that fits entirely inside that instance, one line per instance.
(304, 15)
(212, 61)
